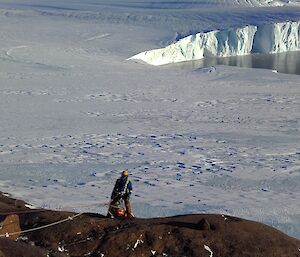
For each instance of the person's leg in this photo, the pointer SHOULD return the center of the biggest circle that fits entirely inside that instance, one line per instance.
(128, 207)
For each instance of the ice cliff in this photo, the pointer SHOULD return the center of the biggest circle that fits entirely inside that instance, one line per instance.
(277, 38)
(268, 38)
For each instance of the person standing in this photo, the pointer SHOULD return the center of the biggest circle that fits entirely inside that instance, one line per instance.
(121, 192)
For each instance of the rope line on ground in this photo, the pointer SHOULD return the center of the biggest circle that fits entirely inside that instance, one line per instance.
(70, 218)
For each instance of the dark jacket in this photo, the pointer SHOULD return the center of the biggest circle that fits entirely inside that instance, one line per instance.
(122, 186)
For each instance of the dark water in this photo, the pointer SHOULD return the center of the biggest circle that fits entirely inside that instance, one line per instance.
(284, 62)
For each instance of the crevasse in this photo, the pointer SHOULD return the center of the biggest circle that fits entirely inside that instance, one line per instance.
(268, 38)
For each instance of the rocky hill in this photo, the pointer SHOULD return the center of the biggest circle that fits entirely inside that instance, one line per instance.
(88, 234)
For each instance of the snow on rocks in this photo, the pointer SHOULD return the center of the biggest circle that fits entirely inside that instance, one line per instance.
(138, 241)
(269, 38)
(223, 216)
(30, 206)
(209, 250)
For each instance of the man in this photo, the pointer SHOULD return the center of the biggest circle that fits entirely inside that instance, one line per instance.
(122, 191)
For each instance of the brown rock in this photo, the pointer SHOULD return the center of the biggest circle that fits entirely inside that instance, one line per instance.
(9, 248)
(203, 224)
(19, 204)
(188, 235)
(10, 227)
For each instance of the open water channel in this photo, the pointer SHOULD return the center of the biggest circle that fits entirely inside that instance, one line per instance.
(288, 62)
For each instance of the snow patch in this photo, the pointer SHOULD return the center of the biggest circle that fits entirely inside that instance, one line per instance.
(138, 241)
(30, 206)
(269, 38)
(99, 37)
(9, 52)
(209, 250)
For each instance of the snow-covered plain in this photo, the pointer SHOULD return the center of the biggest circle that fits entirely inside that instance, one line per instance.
(74, 112)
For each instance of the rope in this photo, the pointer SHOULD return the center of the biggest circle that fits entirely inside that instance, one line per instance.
(125, 186)
(70, 218)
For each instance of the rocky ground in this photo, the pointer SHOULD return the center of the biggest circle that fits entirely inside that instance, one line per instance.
(94, 235)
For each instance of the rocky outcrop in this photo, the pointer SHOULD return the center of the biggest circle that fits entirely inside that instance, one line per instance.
(188, 235)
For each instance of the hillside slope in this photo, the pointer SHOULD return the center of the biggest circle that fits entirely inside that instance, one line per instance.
(187, 235)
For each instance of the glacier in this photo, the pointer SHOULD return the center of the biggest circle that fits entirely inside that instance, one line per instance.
(268, 38)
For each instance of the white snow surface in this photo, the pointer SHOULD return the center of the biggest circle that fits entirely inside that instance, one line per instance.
(74, 112)
(270, 38)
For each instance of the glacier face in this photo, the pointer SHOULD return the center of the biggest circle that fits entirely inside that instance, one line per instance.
(277, 38)
(268, 38)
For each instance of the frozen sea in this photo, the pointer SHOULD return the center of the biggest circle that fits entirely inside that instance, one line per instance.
(74, 112)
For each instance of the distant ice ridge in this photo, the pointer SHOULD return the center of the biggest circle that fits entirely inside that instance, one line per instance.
(272, 2)
(268, 38)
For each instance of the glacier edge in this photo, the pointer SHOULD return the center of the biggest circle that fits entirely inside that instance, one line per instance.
(268, 38)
